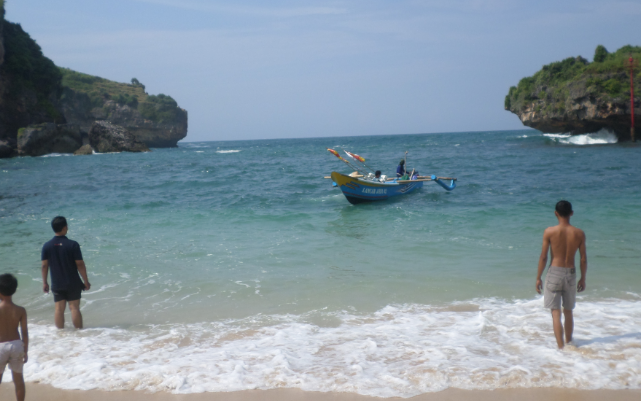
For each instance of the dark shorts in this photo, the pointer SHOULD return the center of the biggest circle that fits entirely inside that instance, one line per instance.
(66, 295)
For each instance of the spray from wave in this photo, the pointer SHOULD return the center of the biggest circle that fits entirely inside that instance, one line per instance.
(601, 137)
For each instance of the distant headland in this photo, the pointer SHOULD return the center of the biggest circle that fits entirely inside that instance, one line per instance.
(578, 97)
(46, 109)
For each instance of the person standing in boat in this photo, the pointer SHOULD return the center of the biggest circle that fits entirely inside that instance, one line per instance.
(400, 170)
(378, 177)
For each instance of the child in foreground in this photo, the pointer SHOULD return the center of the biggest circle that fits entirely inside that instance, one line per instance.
(13, 350)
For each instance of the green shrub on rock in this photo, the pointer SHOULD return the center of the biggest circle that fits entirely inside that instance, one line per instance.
(161, 108)
(600, 54)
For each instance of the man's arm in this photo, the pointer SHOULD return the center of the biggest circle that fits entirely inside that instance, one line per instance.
(45, 274)
(82, 269)
(25, 334)
(584, 264)
(543, 260)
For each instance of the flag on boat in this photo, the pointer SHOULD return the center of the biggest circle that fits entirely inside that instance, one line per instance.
(335, 153)
(355, 156)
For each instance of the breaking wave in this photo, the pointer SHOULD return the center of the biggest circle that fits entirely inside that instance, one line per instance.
(398, 351)
(601, 137)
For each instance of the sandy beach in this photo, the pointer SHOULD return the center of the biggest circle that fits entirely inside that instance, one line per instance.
(39, 392)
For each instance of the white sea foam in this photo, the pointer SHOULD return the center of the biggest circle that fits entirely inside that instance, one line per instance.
(601, 137)
(227, 151)
(400, 350)
(57, 154)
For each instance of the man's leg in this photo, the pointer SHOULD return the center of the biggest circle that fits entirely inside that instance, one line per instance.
(59, 316)
(569, 324)
(76, 316)
(18, 381)
(558, 327)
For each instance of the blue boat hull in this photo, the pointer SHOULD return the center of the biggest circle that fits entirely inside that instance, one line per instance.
(358, 191)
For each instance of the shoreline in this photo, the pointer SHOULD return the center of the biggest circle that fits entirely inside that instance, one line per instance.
(36, 391)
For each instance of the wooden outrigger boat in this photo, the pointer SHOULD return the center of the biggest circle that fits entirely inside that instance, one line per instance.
(359, 190)
(363, 187)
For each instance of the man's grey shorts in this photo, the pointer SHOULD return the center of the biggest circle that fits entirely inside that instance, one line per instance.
(560, 284)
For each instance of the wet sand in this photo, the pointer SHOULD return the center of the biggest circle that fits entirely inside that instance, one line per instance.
(42, 392)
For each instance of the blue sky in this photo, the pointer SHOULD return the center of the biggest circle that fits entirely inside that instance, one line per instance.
(290, 69)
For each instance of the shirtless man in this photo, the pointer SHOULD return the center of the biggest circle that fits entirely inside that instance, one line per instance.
(563, 240)
(13, 349)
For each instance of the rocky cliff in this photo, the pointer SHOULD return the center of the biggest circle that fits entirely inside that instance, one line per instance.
(106, 137)
(34, 91)
(45, 138)
(1, 37)
(157, 121)
(30, 85)
(576, 96)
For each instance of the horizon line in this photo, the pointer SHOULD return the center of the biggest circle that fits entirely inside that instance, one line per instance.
(354, 136)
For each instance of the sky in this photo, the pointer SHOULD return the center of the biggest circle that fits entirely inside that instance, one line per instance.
(295, 69)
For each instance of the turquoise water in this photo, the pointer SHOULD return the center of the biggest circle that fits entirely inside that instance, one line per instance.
(232, 265)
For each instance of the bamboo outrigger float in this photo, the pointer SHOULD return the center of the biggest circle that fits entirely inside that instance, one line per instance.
(362, 186)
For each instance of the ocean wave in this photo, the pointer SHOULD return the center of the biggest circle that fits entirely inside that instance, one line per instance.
(398, 351)
(601, 137)
(227, 151)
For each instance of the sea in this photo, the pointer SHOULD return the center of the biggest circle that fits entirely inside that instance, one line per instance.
(233, 265)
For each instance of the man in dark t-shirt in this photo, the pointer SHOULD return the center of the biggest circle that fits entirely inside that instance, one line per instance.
(64, 258)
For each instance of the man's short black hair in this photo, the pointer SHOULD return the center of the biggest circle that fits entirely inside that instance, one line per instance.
(58, 224)
(563, 208)
(8, 284)
(377, 173)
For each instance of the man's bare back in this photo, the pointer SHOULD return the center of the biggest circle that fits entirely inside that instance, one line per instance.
(564, 241)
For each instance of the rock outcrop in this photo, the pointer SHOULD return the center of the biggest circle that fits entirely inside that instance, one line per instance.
(34, 91)
(84, 150)
(578, 97)
(78, 109)
(1, 37)
(30, 84)
(7, 148)
(106, 137)
(42, 139)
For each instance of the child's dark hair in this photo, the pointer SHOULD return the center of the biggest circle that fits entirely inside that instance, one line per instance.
(8, 284)
(58, 224)
(563, 208)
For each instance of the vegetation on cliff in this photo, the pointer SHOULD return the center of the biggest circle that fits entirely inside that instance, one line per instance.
(548, 90)
(27, 72)
(160, 108)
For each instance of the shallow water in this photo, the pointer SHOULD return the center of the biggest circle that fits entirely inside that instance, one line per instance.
(220, 266)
